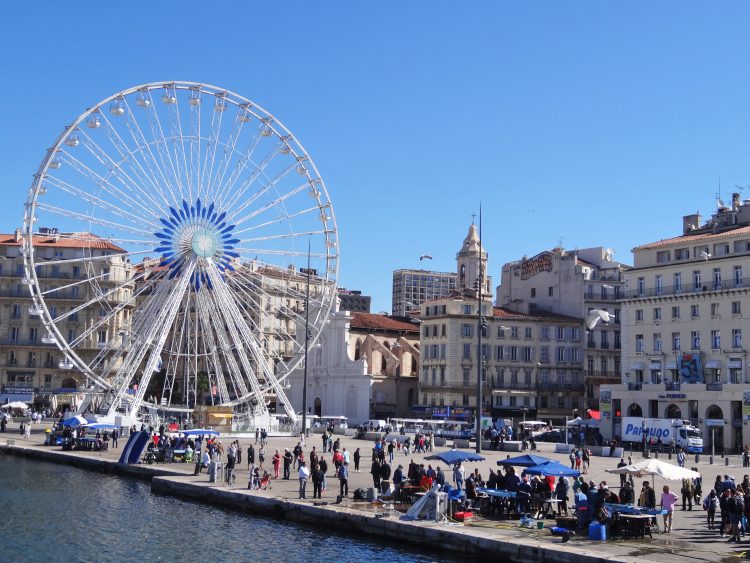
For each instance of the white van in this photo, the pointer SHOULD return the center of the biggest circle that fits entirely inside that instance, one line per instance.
(374, 425)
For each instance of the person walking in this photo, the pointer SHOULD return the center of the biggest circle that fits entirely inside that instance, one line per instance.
(668, 500)
(710, 504)
(317, 481)
(459, 474)
(250, 456)
(681, 457)
(357, 457)
(323, 464)
(687, 493)
(343, 475)
(276, 462)
(304, 473)
(287, 463)
(736, 508)
(623, 477)
(115, 436)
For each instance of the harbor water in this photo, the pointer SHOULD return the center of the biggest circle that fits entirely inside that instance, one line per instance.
(52, 512)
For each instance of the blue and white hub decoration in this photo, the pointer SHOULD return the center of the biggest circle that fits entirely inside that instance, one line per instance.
(195, 233)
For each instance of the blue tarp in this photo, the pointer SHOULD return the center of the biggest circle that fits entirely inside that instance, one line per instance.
(552, 468)
(527, 460)
(452, 456)
(101, 426)
(75, 421)
(200, 432)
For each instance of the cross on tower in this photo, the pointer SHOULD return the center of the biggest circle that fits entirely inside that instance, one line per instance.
(473, 215)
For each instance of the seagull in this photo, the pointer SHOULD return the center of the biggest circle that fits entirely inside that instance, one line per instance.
(425, 256)
(596, 315)
(705, 255)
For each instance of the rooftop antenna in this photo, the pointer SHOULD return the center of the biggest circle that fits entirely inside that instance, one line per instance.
(717, 195)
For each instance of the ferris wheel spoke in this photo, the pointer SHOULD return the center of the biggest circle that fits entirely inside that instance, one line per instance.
(101, 182)
(165, 155)
(250, 181)
(88, 218)
(240, 167)
(276, 203)
(229, 146)
(282, 219)
(144, 183)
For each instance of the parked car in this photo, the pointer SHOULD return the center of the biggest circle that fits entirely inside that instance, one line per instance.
(550, 436)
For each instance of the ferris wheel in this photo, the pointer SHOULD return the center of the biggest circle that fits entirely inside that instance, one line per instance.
(195, 250)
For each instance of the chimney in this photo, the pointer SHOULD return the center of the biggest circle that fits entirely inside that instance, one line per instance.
(690, 223)
(736, 202)
(17, 235)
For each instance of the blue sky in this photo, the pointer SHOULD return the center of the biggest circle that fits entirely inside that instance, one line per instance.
(601, 123)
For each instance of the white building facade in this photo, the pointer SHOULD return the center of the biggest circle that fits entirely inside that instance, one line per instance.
(684, 317)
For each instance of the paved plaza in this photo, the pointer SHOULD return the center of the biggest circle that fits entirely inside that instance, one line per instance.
(690, 539)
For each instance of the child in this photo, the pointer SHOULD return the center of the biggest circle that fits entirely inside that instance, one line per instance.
(710, 504)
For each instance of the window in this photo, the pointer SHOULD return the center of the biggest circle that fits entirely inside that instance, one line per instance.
(434, 330)
(603, 364)
(659, 284)
(695, 340)
(527, 333)
(14, 333)
(442, 351)
(467, 352)
(639, 315)
(71, 335)
(560, 354)
(466, 377)
(443, 330)
(639, 343)
(550, 291)
(499, 355)
(533, 292)
(676, 312)
(738, 276)
(561, 333)
(736, 338)
(590, 365)
(16, 313)
(527, 377)
(657, 313)
(715, 340)
(74, 292)
(526, 353)
(676, 341)
(695, 311)
(657, 342)
(736, 308)
(677, 281)
(33, 332)
(466, 330)
(514, 332)
(717, 278)
(589, 291)
(575, 334)
(681, 254)
(514, 377)
(501, 332)
(467, 309)
(663, 256)
(714, 309)
(544, 333)
(575, 355)
(617, 340)
(434, 376)
(514, 353)
(426, 331)
(641, 286)
(696, 279)
(544, 354)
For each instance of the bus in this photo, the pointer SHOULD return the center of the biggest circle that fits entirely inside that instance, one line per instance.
(451, 428)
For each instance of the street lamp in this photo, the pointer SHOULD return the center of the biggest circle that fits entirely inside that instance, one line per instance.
(481, 324)
(307, 343)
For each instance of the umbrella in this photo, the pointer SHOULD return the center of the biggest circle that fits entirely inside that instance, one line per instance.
(528, 460)
(76, 420)
(15, 405)
(552, 468)
(453, 456)
(656, 467)
(101, 426)
(201, 432)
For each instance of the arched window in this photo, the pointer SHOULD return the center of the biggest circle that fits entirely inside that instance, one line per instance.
(413, 366)
(383, 365)
(635, 410)
(358, 350)
(318, 407)
(673, 411)
(714, 412)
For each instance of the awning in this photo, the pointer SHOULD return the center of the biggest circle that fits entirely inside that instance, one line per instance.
(655, 365)
(637, 366)
(734, 364)
(596, 415)
(672, 365)
(713, 364)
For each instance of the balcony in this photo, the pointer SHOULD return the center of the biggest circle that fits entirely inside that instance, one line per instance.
(714, 386)
(672, 386)
(686, 289)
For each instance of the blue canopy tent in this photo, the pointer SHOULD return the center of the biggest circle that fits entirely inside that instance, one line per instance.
(101, 426)
(552, 468)
(528, 460)
(453, 456)
(74, 421)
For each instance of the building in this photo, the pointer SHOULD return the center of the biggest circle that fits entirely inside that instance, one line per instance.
(363, 366)
(354, 301)
(683, 317)
(531, 362)
(32, 368)
(411, 288)
(572, 283)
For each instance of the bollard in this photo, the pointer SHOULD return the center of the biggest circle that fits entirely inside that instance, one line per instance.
(670, 455)
(697, 458)
(711, 460)
(656, 454)
(726, 459)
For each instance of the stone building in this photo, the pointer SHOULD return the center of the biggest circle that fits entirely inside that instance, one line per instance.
(31, 365)
(411, 288)
(573, 283)
(683, 318)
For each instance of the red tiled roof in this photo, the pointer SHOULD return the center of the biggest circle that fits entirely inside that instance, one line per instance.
(64, 240)
(381, 322)
(700, 237)
(501, 312)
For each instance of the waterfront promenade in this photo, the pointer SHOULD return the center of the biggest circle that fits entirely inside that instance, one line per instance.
(690, 539)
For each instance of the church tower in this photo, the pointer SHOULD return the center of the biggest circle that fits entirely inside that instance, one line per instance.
(468, 260)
